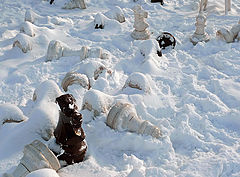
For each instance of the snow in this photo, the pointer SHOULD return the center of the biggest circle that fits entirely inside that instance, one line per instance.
(194, 98)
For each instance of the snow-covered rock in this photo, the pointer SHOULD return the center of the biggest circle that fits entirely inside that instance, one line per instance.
(11, 113)
(72, 4)
(47, 91)
(116, 13)
(122, 116)
(97, 101)
(99, 21)
(23, 41)
(75, 78)
(139, 81)
(27, 28)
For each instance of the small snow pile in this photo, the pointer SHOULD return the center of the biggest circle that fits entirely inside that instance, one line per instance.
(10, 113)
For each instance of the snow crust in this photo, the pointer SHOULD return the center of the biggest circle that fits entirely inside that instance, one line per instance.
(194, 97)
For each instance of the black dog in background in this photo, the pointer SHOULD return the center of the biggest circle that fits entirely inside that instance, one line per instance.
(51, 1)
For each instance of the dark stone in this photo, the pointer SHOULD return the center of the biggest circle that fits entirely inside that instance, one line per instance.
(97, 26)
(159, 53)
(154, 1)
(165, 40)
(69, 133)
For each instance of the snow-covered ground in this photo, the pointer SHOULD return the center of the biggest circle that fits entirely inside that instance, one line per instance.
(193, 92)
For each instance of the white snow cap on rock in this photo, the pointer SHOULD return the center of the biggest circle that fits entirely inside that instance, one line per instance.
(23, 41)
(11, 113)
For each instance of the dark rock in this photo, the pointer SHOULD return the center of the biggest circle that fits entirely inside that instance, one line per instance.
(154, 1)
(69, 133)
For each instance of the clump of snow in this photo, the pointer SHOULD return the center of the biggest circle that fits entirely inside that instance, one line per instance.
(11, 113)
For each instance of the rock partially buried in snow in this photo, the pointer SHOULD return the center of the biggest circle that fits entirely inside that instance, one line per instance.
(36, 156)
(72, 4)
(123, 116)
(75, 78)
(138, 81)
(10, 113)
(47, 91)
(229, 35)
(99, 21)
(30, 16)
(45, 114)
(97, 101)
(116, 13)
(23, 41)
(57, 49)
(150, 47)
(27, 28)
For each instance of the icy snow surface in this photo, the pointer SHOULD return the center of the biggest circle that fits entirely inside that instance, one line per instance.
(194, 98)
